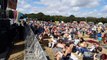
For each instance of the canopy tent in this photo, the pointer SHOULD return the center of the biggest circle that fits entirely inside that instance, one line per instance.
(100, 23)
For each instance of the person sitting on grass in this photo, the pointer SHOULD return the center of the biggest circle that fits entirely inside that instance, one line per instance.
(98, 53)
(60, 44)
(89, 55)
(81, 48)
(82, 40)
(65, 55)
(76, 40)
(52, 42)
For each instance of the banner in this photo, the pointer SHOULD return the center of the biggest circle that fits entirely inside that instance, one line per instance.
(12, 4)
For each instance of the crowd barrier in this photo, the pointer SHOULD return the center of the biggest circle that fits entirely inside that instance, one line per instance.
(33, 49)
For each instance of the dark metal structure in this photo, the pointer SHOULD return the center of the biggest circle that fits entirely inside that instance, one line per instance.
(5, 28)
(3, 6)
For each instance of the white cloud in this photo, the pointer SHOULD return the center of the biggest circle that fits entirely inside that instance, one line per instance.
(24, 6)
(27, 6)
(21, 9)
(104, 9)
(94, 13)
(72, 3)
(63, 7)
(66, 7)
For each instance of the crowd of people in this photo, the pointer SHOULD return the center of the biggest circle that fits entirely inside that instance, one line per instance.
(65, 39)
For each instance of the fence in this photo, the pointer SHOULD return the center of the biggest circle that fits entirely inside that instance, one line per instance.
(33, 50)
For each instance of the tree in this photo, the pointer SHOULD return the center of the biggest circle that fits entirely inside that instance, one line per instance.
(40, 16)
(47, 18)
(71, 18)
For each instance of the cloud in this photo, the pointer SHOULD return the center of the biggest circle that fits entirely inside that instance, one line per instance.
(104, 9)
(24, 6)
(63, 7)
(66, 7)
(27, 6)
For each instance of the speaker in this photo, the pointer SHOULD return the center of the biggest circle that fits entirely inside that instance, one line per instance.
(4, 29)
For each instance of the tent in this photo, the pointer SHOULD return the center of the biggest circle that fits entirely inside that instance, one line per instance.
(100, 23)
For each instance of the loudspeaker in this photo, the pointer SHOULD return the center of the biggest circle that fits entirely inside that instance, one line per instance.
(4, 29)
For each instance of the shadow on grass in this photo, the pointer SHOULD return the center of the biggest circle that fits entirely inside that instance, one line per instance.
(17, 40)
(17, 48)
(43, 44)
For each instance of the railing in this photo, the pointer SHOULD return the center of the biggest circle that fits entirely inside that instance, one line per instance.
(33, 50)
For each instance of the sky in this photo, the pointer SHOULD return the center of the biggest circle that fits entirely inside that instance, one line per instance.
(78, 8)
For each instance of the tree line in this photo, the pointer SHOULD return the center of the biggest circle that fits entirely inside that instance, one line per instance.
(42, 17)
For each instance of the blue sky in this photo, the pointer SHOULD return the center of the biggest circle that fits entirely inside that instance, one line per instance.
(79, 8)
